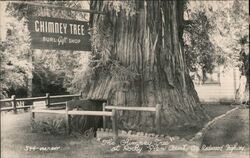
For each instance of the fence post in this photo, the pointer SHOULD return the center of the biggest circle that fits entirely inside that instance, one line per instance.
(80, 95)
(68, 119)
(114, 124)
(13, 102)
(32, 117)
(104, 118)
(158, 118)
(47, 100)
(23, 104)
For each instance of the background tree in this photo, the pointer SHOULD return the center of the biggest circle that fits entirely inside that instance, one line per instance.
(56, 71)
(218, 34)
(200, 52)
(52, 70)
(15, 66)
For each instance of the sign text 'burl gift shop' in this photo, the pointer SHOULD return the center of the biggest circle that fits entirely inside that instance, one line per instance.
(59, 34)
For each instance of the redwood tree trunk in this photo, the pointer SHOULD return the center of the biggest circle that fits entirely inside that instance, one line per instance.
(147, 46)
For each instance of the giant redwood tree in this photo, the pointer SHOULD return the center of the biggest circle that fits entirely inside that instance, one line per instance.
(138, 60)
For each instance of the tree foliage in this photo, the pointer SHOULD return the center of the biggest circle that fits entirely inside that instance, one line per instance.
(217, 34)
(52, 70)
(57, 73)
(199, 51)
(15, 54)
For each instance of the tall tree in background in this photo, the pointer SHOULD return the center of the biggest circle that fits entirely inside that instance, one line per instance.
(200, 52)
(138, 60)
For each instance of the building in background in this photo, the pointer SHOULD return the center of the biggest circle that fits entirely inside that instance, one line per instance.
(219, 86)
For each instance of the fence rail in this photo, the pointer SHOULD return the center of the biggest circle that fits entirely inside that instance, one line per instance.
(151, 109)
(14, 101)
(6, 100)
(58, 103)
(28, 99)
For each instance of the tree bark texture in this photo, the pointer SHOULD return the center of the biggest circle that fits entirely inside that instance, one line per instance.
(150, 44)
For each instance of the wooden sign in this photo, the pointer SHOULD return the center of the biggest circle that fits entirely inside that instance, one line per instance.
(59, 34)
(39, 104)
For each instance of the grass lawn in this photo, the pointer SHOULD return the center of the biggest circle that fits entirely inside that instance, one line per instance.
(16, 137)
(232, 129)
(214, 110)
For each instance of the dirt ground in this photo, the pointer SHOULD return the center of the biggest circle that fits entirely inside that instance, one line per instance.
(17, 140)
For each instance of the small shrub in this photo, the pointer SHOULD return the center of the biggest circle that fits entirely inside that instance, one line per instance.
(84, 135)
(50, 126)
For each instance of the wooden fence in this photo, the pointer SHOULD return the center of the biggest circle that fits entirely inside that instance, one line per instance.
(112, 112)
(18, 103)
(107, 111)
